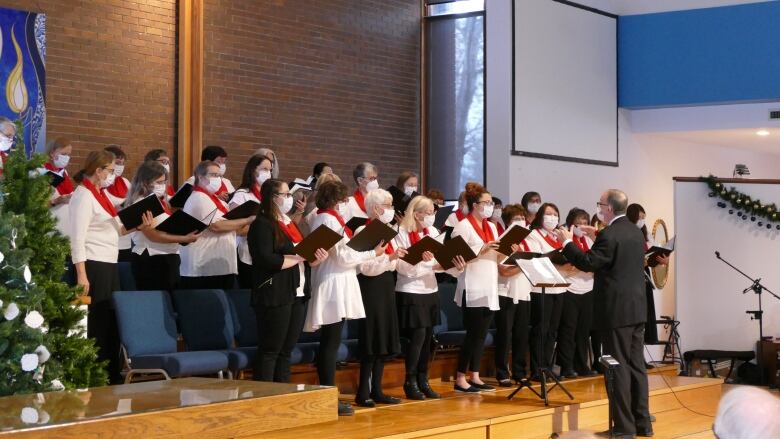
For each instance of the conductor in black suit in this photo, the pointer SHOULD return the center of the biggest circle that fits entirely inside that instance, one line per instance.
(619, 304)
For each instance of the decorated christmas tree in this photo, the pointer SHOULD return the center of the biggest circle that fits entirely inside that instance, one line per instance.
(31, 278)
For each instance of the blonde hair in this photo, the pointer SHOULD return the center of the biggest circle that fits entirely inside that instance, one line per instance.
(377, 197)
(418, 204)
(324, 178)
(95, 160)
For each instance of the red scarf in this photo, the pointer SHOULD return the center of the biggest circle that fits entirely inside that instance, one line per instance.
(292, 231)
(338, 217)
(257, 194)
(165, 206)
(554, 243)
(524, 246)
(414, 237)
(360, 200)
(220, 205)
(582, 243)
(100, 196)
(484, 232)
(119, 188)
(66, 186)
(459, 215)
(170, 191)
(499, 227)
(389, 249)
(222, 188)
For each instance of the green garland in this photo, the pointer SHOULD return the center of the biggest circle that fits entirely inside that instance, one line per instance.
(746, 207)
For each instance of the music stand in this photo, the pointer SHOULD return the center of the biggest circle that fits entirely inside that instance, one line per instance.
(539, 280)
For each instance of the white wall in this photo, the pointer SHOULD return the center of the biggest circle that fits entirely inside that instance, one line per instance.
(648, 162)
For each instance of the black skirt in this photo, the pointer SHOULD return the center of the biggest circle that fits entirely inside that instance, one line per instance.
(378, 333)
(417, 310)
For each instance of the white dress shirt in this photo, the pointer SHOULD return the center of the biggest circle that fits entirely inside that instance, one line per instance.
(480, 278)
(213, 254)
(94, 233)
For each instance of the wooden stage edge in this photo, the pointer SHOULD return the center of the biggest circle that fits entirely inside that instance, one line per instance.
(683, 406)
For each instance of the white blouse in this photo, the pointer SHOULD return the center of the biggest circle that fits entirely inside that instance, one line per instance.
(452, 220)
(141, 243)
(94, 234)
(354, 210)
(125, 241)
(480, 278)
(581, 281)
(415, 279)
(335, 291)
(240, 197)
(538, 244)
(213, 254)
(517, 287)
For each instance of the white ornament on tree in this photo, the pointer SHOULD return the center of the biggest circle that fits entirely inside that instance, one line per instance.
(2, 257)
(57, 385)
(27, 274)
(43, 353)
(29, 362)
(34, 319)
(11, 311)
(29, 415)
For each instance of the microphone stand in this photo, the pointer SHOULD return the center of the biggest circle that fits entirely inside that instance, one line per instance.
(757, 288)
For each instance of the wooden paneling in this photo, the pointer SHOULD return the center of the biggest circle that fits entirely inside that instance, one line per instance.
(190, 87)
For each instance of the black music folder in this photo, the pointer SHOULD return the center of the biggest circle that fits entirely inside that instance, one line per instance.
(400, 199)
(131, 216)
(181, 224)
(370, 237)
(355, 222)
(555, 256)
(55, 178)
(456, 246)
(442, 214)
(514, 235)
(323, 238)
(180, 197)
(415, 252)
(245, 210)
(664, 250)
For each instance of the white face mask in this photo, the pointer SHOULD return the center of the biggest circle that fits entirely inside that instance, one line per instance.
(6, 143)
(497, 214)
(520, 222)
(372, 185)
(108, 181)
(222, 168)
(262, 176)
(534, 207)
(214, 184)
(409, 190)
(60, 161)
(387, 216)
(428, 220)
(287, 204)
(600, 215)
(487, 211)
(167, 168)
(550, 222)
(578, 232)
(118, 170)
(342, 209)
(159, 189)
(640, 223)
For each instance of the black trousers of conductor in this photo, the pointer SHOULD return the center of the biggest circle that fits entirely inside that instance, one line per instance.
(476, 322)
(101, 321)
(278, 329)
(512, 328)
(630, 397)
(574, 332)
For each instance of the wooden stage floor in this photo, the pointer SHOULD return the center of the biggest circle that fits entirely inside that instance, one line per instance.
(685, 413)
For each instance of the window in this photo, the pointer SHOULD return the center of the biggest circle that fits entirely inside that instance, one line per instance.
(455, 89)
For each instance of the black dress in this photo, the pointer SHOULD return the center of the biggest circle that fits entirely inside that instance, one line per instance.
(417, 310)
(651, 329)
(378, 332)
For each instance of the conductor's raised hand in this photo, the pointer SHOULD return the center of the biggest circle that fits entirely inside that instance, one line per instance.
(590, 231)
(565, 234)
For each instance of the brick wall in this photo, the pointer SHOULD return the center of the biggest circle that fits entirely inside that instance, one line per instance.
(335, 81)
(110, 73)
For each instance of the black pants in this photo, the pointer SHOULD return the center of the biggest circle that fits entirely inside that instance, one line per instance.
(223, 282)
(544, 327)
(278, 328)
(512, 328)
(158, 272)
(370, 385)
(419, 350)
(630, 397)
(103, 280)
(330, 340)
(574, 331)
(244, 275)
(476, 321)
(651, 329)
(125, 255)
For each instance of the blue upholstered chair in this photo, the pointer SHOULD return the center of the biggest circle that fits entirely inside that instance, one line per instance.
(147, 331)
(206, 323)
(244, 322)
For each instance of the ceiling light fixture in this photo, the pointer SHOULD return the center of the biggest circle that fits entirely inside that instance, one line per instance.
(762, 133)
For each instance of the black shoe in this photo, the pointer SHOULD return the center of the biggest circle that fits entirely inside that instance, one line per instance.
(649, 366)
(385, 399)
(645, 433)
(506, 382)
(365, 402)
(536, 377)
(413, 391)
(345, 409)
(482, 387)
(569, 373)
(470, 389)
(588, 373)
(425, 386)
